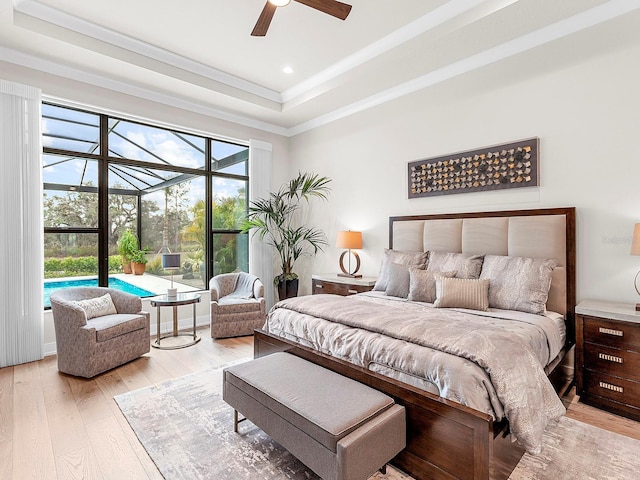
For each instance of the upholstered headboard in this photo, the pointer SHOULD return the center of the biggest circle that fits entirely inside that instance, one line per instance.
(541, 233)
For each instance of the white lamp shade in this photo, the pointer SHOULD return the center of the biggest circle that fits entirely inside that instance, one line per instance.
(170, 261)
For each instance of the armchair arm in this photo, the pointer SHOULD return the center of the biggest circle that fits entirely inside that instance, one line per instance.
(258, 289)
(125, 302)
(215, 289)
(72, 314)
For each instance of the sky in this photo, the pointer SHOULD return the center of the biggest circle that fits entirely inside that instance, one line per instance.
(133, 141)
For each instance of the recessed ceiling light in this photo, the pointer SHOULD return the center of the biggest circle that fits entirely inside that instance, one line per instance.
(280, 3)
(288, 70)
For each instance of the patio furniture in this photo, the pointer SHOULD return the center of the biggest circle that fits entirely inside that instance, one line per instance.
(94, 333)
(237, 304)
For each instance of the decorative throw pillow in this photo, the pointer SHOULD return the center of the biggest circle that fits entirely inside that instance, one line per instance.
(462, 293)
(422, 284)
(398, 284)
(518, 283)
(410, 259)
(97, 307)
(467, 266)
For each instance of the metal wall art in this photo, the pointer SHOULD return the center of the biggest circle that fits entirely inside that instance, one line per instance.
(511, 165)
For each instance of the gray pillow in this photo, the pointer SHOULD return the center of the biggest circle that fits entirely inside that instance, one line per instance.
(422, 284)
(518, 283)
(467, 266)
(398, 284)
(410, 259)
(462, 293)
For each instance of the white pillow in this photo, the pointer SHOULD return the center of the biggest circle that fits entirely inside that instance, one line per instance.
(467, 265)
(518, 283)
(97, 307)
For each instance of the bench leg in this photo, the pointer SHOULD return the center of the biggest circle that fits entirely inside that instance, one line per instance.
(236, 421)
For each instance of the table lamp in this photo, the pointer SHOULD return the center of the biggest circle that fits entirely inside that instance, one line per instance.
(349, 240)
(635, 250)
(171, 261)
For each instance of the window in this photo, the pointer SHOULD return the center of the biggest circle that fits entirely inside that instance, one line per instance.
(175, 191)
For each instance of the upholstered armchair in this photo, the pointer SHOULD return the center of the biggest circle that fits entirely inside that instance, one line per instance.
(237, 304)
(95, 334)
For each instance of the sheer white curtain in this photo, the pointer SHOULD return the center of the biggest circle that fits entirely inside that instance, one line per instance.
(21, 230)
(261, 254)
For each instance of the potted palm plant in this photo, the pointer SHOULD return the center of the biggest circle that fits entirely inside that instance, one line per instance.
(277, 220)
(127, 246)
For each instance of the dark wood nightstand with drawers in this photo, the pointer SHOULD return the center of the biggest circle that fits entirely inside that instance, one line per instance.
(608, 357)
(332, 283)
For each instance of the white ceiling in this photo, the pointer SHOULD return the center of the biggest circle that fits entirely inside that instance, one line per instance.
(199, 53)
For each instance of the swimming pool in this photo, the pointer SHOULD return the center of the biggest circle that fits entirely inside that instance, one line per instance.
(116, 283)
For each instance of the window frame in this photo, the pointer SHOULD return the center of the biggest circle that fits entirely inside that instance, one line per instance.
(104, 161)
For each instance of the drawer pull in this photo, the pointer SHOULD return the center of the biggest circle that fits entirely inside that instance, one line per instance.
(319, 285)
(611, 331)
(610, 358)
(613, 388)
(352, 291)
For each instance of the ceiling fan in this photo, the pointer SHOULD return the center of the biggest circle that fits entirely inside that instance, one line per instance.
(332, 7)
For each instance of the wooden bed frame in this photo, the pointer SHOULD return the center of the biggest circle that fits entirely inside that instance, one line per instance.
(446, 440)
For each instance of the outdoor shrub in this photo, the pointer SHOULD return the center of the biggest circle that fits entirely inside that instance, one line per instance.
(155, 266)
(52, 265)
(115, 264)
(71, 266)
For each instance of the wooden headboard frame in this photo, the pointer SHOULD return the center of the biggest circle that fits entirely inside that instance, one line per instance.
(570, 245)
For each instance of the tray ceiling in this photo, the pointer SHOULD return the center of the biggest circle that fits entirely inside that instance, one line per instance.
(201, 53)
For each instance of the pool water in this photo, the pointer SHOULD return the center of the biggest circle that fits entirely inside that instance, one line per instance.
(116, 283)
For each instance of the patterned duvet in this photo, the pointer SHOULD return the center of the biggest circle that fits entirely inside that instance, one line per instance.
(491, 364)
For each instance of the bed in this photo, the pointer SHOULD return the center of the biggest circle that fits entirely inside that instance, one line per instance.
(456, 437)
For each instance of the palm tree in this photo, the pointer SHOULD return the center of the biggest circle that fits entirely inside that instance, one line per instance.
(276, 220)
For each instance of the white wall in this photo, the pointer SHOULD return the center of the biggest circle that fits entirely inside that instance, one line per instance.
(587, 115)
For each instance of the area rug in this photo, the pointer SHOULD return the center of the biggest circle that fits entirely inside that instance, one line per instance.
(187, 430)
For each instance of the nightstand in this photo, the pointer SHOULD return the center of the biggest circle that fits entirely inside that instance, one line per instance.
(608, 356)
(332, 283)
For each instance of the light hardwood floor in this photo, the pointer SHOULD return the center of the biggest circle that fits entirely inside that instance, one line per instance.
(54, 426)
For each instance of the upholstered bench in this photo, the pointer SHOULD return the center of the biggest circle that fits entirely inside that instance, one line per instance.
(339, 428)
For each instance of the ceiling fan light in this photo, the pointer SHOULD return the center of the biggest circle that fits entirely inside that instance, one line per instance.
(280, 3)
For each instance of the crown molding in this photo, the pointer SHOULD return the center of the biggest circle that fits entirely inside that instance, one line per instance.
(581, 21)
(53, 16)
(71, 73)
(544, 35)
(422, 25)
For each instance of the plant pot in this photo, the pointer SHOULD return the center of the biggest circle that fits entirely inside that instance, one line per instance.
(287, 289)
(126, 266)
(138, 268)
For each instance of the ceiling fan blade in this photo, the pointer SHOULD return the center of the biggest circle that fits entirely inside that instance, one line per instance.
(262, 25)
(332, 7)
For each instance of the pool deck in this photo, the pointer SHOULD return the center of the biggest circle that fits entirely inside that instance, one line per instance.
(152, 283)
